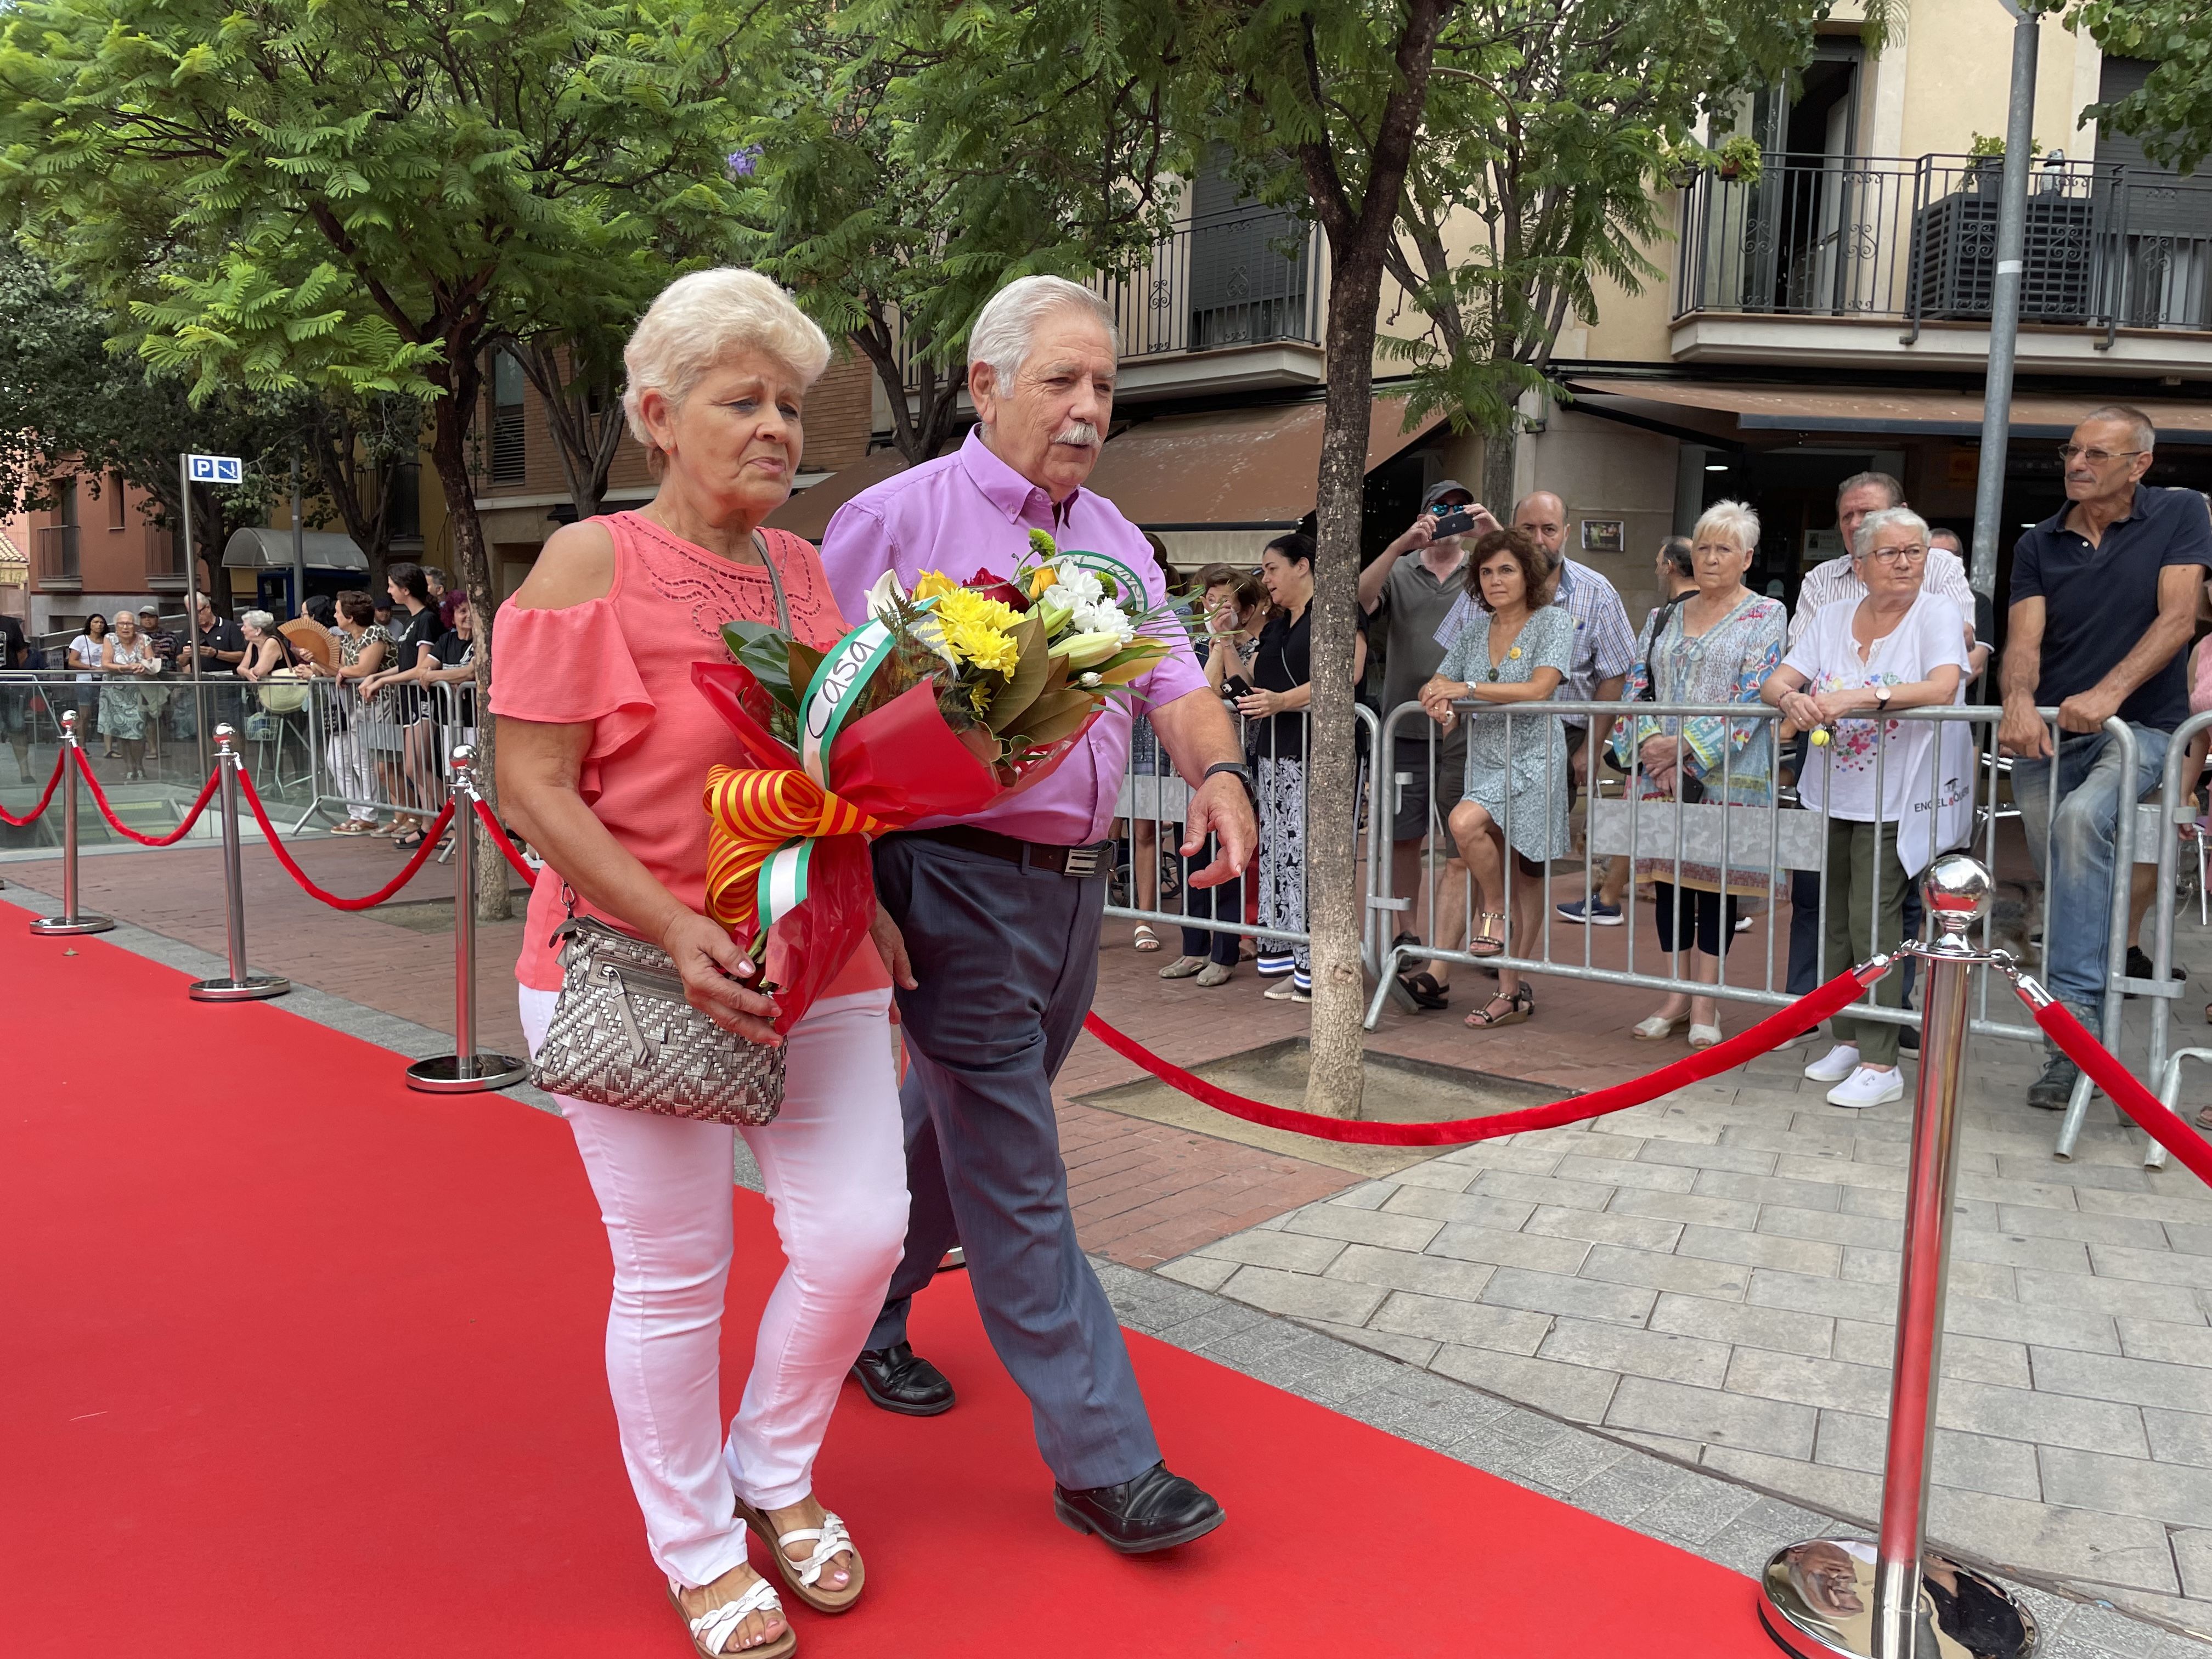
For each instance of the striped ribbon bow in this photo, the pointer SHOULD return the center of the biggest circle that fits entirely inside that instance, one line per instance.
(762, 828)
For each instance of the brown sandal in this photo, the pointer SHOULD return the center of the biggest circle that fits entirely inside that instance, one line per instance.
(830, 1540)
(1519, 1005)
(712, 1630)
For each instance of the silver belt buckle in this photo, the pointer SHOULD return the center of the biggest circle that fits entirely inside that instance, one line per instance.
(1082, 862)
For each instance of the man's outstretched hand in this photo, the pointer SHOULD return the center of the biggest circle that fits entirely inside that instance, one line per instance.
(1220, 808)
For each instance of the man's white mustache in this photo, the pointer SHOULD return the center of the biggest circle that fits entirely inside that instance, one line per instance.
(1078, 432)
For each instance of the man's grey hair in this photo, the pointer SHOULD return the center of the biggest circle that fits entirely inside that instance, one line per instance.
(1880, 481)
(1951, 540)
(1889, 518)
(2143, 435)
(1003, 333)
(1532, 494)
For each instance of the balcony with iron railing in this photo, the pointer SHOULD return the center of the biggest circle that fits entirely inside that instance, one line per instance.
(56, 566)
(2111, 255)
(1226, 302)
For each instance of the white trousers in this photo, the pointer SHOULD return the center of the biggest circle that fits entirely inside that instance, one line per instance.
(835, 1164)
(348, 753)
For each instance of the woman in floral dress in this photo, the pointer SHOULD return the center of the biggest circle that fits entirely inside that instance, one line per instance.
(1718, 645)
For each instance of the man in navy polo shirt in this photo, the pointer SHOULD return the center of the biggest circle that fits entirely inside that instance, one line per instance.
(2104, 600)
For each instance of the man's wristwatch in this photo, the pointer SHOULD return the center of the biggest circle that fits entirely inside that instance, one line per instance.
(1241, 773)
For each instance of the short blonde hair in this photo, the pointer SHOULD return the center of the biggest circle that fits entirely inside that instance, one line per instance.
(704, 317)
(1732, 520)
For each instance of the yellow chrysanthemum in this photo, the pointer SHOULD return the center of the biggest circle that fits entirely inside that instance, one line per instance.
(978, 631)
(933, 585)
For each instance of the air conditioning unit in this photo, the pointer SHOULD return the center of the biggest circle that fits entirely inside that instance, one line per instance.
(1954, 255)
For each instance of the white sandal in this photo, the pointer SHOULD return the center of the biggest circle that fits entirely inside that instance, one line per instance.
(830, 1540)
(713, 1630)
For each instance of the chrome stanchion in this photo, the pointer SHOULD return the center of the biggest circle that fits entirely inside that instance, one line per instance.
(241, 984)
(70, 921)
(1890, 1599)
(465, 1072)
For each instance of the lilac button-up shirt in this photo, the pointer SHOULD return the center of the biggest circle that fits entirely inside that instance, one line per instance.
(969, 511)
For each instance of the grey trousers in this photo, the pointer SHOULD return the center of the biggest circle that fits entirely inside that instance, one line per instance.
(1006, 958)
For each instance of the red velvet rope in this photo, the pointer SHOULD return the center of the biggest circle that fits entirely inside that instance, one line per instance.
(38, 811)
(499, 839)
(1769, 1033)
(191, 817)
(2152, 1114)
(283, 857)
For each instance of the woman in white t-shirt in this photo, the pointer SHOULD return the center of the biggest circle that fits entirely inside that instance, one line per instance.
(1896, 791)
(87, 651)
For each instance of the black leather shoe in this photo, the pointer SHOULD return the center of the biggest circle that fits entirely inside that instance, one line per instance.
(1155, 1512)
(900, 1380)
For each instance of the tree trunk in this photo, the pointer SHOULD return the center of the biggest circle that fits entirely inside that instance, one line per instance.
(1332, 885)
(449, 427)
(1499, 450)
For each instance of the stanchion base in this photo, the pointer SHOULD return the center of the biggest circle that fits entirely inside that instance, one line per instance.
(1817, 1601)
(72, 924)
(449, 1074)
(254, 987)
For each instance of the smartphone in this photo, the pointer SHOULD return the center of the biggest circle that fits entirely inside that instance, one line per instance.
(1456, 523)
(1237, 686)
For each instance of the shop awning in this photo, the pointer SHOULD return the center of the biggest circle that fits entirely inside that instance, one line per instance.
(809, 512)
(1252, 469)
(271, 549)
(1722, 409)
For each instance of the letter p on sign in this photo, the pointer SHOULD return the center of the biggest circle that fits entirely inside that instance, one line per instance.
(214, 469)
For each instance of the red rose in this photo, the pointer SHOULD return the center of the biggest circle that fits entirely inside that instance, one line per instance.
(997, 587)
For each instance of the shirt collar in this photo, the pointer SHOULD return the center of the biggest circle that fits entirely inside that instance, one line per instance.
(1006, 489)
(1567, 582)
(2056, 521)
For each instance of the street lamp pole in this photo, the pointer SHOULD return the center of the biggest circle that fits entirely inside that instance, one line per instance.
(2004, 299)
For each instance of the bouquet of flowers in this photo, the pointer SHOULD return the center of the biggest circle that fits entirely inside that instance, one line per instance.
(946, 700)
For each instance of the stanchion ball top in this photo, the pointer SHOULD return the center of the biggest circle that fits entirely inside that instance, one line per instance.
(1957, 891)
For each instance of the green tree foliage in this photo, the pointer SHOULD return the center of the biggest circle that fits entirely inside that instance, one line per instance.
(1548, 131)
(362, 195)
(69, 405)
(2172, 113)
(914, 158)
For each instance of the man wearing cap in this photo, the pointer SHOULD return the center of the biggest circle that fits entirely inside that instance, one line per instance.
(1406, 600)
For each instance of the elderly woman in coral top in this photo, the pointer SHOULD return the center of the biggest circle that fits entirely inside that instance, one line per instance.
(603, 749)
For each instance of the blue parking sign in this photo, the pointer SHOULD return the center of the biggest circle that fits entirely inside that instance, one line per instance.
(214, 469)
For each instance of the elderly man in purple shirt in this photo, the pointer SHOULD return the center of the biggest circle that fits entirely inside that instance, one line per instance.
(1001, 915)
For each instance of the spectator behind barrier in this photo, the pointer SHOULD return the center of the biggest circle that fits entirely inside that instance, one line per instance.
(1903, 646)
(129, 660)
(1282, 672)
(361, 649)
(85, 654)
(1673, 573)
(2103, 601)
(1718, 645)
(16, 700)
(1233, 606)
(414, 629)
(1517, 649)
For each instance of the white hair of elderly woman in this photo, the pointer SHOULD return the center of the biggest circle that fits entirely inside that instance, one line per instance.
(127, 615)
(1732, 521)
(1002, 333)
(703, 318)
(260, 619)
(1890, 518)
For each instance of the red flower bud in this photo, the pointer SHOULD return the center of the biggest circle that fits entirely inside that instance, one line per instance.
(997, 587)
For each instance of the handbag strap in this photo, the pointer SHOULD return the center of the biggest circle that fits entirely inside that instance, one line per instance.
(774, 579)
(1650, 691)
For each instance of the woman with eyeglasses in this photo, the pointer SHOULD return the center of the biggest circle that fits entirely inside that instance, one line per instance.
(1901, 646)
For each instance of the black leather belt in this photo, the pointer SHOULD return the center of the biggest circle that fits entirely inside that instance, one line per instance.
(1081, 862)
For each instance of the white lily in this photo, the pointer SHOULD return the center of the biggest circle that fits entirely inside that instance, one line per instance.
(1081, 650)
(885, 595)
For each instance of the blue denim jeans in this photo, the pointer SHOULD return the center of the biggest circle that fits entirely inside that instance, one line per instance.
(2074, 849)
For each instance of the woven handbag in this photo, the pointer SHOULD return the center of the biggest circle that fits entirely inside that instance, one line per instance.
(623, 1035)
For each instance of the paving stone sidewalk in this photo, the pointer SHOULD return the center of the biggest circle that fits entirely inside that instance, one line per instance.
(1713, 1277)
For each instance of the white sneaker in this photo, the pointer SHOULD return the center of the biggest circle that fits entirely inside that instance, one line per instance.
(1867, 1087)
(1838, 1063)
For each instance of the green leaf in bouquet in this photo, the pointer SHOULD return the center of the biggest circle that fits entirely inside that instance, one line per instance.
(803, 660)
(1028, 681)
(1055, 714)
(760, 648)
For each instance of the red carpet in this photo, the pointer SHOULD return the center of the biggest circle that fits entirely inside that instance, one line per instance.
(293, 1362)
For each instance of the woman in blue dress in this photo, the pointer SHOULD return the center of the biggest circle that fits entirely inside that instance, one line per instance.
(1515, 650)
